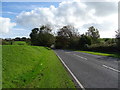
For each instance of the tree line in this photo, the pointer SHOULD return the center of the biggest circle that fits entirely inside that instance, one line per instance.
(68, 37)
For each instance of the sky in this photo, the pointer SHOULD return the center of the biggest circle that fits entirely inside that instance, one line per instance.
(19, 18)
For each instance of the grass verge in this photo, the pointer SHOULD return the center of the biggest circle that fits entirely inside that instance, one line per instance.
(116, 55)
(33, 67)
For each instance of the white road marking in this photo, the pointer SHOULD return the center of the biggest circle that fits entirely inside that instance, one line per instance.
(67, 52)
(80, 56)
(111, 68)
(71, 73)
(115, 61)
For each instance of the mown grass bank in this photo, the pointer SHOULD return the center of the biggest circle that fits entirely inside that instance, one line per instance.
(33, 67)
(116, 55)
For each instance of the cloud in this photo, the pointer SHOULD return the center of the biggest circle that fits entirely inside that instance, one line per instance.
(99, 0)
(72, 13)
(9, 13)
(6, 25)
(103, 8)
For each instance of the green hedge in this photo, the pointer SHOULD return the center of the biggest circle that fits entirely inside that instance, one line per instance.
(103, 48)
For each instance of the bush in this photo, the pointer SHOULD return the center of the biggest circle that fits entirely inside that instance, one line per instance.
(42, 36)
(103, 48)
(118, 38)
(61, 42)
(118, 43)
(84, 42)
(6, 42)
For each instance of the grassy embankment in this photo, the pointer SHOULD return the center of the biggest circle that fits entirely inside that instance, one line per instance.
(33, 67)
(116, 55)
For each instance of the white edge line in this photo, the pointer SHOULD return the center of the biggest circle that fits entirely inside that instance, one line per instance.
(111, 68)
(71, 73)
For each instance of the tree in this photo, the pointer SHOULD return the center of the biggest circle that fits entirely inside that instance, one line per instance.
(23, 38)
(62, 39)
(61, 42)
(84, 41)
(66, 37)
(42, 36)
(74, 41)
(34, 36)
(45, 29)
(118, 38)
(17, 39)
(45, 39)
(94, 34)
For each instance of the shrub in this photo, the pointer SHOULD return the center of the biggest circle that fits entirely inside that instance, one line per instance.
(103, 48)
(84, 42)
(6, 42)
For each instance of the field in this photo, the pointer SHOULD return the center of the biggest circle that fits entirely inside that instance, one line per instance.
(14, 43)
(19, 43)
(33, 67)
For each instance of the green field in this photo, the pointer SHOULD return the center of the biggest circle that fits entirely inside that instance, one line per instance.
(19, 43)
(33, 67)
(116, 55)
(15, 43)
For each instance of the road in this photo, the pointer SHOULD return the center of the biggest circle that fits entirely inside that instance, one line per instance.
(91, 71)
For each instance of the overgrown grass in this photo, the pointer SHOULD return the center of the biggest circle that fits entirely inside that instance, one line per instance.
(33, 67)
(116, 55)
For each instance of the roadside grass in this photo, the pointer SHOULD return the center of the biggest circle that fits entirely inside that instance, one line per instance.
(19, 43)
(33, 67)
(116, 55)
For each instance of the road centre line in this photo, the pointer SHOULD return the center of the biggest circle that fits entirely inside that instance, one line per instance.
(67, 52)
(102, 65)
(80, 56)
(111, 68)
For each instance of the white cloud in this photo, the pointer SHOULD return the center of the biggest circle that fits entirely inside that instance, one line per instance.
(72, 13)
(99, 0)
(9, 13)
(6, 25)
(103, 8)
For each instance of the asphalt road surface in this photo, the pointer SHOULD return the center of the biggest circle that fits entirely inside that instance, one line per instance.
(92, 71)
